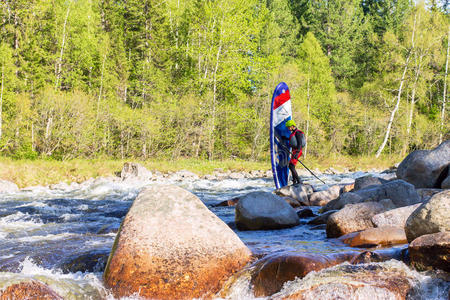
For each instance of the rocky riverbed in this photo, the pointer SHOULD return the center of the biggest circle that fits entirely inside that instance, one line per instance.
(355, 237)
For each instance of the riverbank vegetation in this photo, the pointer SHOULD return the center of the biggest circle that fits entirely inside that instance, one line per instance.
(25, 172)
(193, 79)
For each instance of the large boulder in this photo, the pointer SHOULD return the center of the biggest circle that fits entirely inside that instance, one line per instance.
(425, 168)
(171, 246)
(400, 192)
(135, 171)
(431, 251)
(380, 236)
(29, 290)
(380, 281)
(368, 181)
(8, 186)
(262, 210)
(431, 217)
(323, 197)
(271, 272)
(394, 217)
(354, 217)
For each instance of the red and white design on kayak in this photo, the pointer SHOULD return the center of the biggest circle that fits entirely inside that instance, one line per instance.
(281, 108)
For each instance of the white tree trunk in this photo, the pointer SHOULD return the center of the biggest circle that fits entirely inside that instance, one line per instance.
(101, 89)
(307, 118)
(399, 94)
(213, 113)
(59, 62)
(444, 96)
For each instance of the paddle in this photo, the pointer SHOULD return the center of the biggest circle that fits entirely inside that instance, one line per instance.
(287, 149)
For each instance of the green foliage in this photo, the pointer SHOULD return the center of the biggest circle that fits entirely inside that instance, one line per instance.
(177, 78)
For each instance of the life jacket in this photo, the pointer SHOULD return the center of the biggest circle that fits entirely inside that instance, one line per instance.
(300, 144)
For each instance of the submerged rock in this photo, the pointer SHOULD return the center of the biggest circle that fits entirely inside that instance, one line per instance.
(171, 246)
(383, 236)
(262, 210)
(353, 217)
(89, 262)
(306, 213)
(431, 217)
(425, 168)
(273, 271)
(431, 251)
(376, 281)
(29, 290)
(322, 219)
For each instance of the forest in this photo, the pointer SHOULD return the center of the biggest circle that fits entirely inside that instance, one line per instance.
(179, 78)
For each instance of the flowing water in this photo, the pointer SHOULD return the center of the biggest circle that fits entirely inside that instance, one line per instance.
(62, 234)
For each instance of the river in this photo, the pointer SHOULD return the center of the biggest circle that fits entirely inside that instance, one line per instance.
(54, 234)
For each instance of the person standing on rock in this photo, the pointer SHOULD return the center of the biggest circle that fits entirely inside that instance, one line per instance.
(297, 141)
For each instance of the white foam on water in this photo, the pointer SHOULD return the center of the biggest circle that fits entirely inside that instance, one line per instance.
(18, 222)
(69, 286)
(48, 237)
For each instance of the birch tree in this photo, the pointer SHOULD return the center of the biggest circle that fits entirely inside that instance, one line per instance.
(399, 90)
(444, 93)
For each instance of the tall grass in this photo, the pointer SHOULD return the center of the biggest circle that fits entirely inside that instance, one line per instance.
(44, 172)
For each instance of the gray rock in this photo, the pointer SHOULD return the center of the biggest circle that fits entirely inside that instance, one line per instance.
(431, 217)
(322, 219)
(135, 171)
(424, 167)
(400, 192)
(426, 193)
(299, 192)
(323, 197)
(353, 217)
(262, 210)
(367, 181)
(431, 251)
(8, 186)
(394, 217)
(446, 183)
(237, 176)
(185, 174)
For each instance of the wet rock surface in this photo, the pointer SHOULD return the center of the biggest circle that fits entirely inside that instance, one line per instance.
(431, 217)
(431, 251)
(273, 271)
(262, 210)
(171, 246)
(380, 281)
(380, 236)
(29, 291)
(353, 217)
(424, 168)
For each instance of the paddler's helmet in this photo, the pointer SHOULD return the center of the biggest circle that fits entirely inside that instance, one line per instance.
(290, 123)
